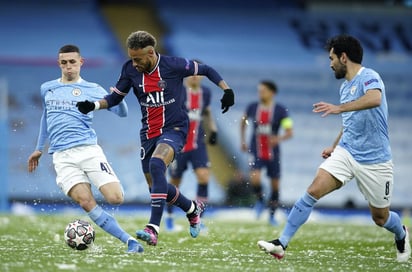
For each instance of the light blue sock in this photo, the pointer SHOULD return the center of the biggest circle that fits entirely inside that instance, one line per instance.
(108, 223)
(394, 225)
(297, 217)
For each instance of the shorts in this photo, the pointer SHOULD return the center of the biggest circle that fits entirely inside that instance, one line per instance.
(197, 157)
(272, 166)
(174, 138)
(375, 181)
(82, 164)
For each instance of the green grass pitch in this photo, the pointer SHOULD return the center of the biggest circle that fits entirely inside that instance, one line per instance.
(35, 243)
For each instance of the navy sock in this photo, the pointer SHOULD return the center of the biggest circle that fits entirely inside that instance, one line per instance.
(174, 197)
(257, 190)
(158, 192)
(108, 223)
(202, 192)
(273, 202)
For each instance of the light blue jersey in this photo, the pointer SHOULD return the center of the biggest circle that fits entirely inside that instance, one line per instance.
(61, 122)
(365, 132)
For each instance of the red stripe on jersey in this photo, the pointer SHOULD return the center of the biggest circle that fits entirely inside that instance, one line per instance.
(155, 114)
(264, 132)
(194, 103)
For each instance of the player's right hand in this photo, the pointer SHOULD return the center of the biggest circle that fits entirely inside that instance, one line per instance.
(33, 161)
(327, 152)
(85, 106)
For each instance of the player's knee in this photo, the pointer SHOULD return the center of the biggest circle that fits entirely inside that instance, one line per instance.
(87, 202)
(156, 165)
(379, 220)
(115, 198)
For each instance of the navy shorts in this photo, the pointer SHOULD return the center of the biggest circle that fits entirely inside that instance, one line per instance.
(174, 138)
(197, 157)
(272, 166)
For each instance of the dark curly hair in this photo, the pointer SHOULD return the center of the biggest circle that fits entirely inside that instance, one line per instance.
(346, 44)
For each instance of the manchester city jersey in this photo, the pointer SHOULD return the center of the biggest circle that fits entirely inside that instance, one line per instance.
(365, 132)
(62, 122)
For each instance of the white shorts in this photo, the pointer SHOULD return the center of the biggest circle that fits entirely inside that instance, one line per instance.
(375, 181)
(82, 164)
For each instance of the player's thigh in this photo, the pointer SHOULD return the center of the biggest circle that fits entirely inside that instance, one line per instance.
(255, 167)
(323, 183)
(68, 171)
(375, 181)
(335, 172)
(82, 194)
(96, 166)
(200, 162)
(273, 168)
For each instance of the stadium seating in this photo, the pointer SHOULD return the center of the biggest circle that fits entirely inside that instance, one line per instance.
(246, 42)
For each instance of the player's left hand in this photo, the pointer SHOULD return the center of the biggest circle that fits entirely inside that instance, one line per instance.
(85, 106)
(213, 138)
(227, 100)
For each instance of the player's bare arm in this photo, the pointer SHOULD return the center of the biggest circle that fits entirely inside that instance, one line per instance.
(243, 124)
(371, 99)
(328, 151)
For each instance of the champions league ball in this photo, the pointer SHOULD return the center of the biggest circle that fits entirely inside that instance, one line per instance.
(79, 234)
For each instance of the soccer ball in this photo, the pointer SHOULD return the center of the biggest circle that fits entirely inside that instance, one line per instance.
(79, 234)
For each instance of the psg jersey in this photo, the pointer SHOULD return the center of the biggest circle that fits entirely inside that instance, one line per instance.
(161, 94)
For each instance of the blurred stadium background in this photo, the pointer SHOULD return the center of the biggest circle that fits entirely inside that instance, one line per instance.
(246, 41)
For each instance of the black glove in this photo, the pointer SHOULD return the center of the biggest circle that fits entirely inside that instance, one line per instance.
(85, 106)
(213, 138)
(227, 100)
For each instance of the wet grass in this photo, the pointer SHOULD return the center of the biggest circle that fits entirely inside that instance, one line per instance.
(35, 243)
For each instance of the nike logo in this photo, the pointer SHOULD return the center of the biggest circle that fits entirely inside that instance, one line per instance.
(141, 85)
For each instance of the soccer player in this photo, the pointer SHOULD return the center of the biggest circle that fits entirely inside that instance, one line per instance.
(268, 118)
(194, 151)
(78, 160)
(361, 150)
(157, 82)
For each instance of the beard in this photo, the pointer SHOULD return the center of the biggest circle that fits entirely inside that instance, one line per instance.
(145, 68)
(340, 71)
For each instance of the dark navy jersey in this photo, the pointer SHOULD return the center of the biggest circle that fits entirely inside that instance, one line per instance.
(196, 103)
(160, 93)
(266, 122)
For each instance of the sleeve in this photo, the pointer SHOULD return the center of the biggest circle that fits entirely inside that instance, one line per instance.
(122, 88)
(209, 72)
(285, 121)
(120, 109)
(192, 68)
(43, 135)
(372, 81)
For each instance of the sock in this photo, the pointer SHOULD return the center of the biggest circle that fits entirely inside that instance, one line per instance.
(174, 197)
(202, 192)
(257, 190)
(273, 202)
(297, 217)
(158, 192)
(108, 223)
(394, 225)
